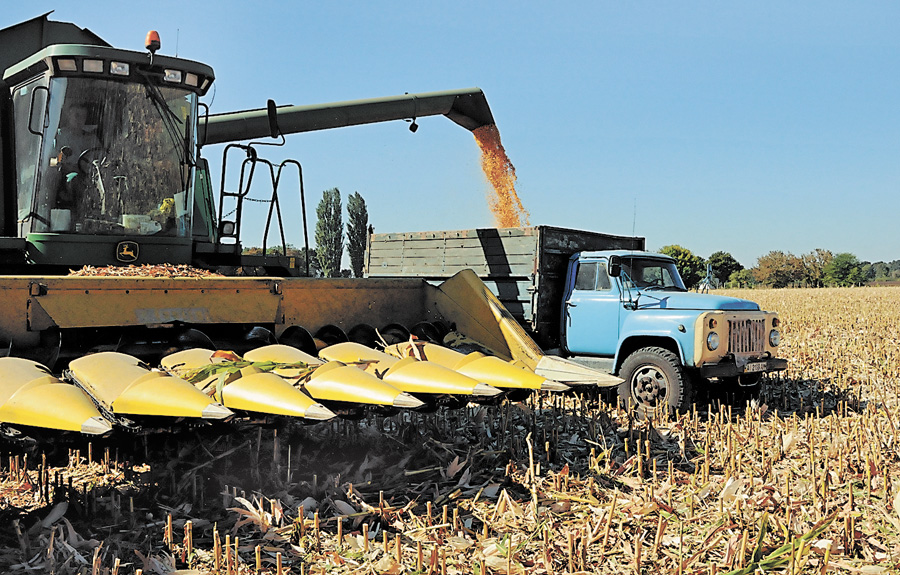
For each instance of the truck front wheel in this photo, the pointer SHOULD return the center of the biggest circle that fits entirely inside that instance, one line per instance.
(654, 379)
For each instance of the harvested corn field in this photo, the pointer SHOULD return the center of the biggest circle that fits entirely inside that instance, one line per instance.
(802, 480)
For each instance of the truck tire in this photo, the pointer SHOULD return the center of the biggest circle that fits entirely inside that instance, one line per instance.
(654, 379)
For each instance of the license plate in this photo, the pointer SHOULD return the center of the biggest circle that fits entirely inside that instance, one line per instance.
(755, 367)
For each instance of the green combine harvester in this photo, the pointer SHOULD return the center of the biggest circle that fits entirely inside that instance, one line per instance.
(102, 165)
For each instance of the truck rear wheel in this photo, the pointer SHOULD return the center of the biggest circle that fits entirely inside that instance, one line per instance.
(654, 379)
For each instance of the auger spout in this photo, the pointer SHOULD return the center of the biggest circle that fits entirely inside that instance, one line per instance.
(467, 107)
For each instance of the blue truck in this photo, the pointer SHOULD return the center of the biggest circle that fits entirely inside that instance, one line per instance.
(603, 301)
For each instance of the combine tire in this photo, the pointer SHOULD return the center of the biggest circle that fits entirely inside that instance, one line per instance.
(654, 379)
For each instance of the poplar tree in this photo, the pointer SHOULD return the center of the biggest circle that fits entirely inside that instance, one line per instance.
(357, 231)
(329, 233)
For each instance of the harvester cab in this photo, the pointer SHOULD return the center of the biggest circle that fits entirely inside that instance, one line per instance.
(105, 151)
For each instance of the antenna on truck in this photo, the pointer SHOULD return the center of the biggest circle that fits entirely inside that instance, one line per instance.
(634, 219)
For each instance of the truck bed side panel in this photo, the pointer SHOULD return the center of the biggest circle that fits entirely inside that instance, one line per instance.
(503, 258)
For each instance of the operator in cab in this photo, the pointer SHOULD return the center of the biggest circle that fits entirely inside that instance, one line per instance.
(74, 141)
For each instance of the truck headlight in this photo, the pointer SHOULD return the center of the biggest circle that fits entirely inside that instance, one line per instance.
(712, 341)
(774, 338)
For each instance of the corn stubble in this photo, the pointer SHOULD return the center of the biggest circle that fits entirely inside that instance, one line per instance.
(803, 480)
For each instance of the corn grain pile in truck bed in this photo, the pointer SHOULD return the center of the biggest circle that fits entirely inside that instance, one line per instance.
(801, 481)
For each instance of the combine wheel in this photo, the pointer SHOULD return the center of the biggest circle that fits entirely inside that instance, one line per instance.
(298, 338)
(654, 379)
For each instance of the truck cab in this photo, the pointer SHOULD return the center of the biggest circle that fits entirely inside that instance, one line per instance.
(633, 308)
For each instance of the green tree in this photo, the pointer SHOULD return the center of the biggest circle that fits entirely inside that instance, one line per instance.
(357, 232)
(723, 265)
(844, 270)
(778, 269)
(881, 271)
(692, 268)
(742, 279)
(329, 233)
(814, 266)
(314, 269)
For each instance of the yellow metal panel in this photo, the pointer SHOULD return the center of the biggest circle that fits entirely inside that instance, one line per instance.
(268, 393)
(14, 294)
(333, 381)
(479, 315)
(408, 374)
(29, 395)
(488, 369)
(249, 389)
(340, 382)
(282, 354)
(72, 302)
(123, 384)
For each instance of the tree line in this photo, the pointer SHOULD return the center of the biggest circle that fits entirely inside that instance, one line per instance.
(325, 258)
(778, 269)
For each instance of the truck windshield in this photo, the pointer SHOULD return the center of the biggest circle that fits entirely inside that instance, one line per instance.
(647, 273)
(116, 158)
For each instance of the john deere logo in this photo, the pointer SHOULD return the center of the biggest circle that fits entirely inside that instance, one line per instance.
(127, 251)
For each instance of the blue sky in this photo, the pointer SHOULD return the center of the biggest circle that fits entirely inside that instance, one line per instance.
(742, 126)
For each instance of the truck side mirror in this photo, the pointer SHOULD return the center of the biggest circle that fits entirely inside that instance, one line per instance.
(614, 269)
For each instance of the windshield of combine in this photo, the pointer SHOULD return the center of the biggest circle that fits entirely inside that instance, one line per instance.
(116, 159)
(652, 274)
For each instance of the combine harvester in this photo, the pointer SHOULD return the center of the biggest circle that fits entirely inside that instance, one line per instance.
(102, 166)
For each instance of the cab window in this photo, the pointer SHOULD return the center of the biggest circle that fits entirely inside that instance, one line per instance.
(592, 276)
(586, 278)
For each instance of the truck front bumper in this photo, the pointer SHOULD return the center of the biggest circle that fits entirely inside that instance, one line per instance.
(730, 368)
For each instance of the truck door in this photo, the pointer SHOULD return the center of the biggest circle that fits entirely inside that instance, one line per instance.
(591, 310)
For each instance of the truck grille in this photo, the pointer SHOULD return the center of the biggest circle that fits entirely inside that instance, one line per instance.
(746, 336)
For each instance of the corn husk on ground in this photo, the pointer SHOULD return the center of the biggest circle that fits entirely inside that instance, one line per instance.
(805, 480)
